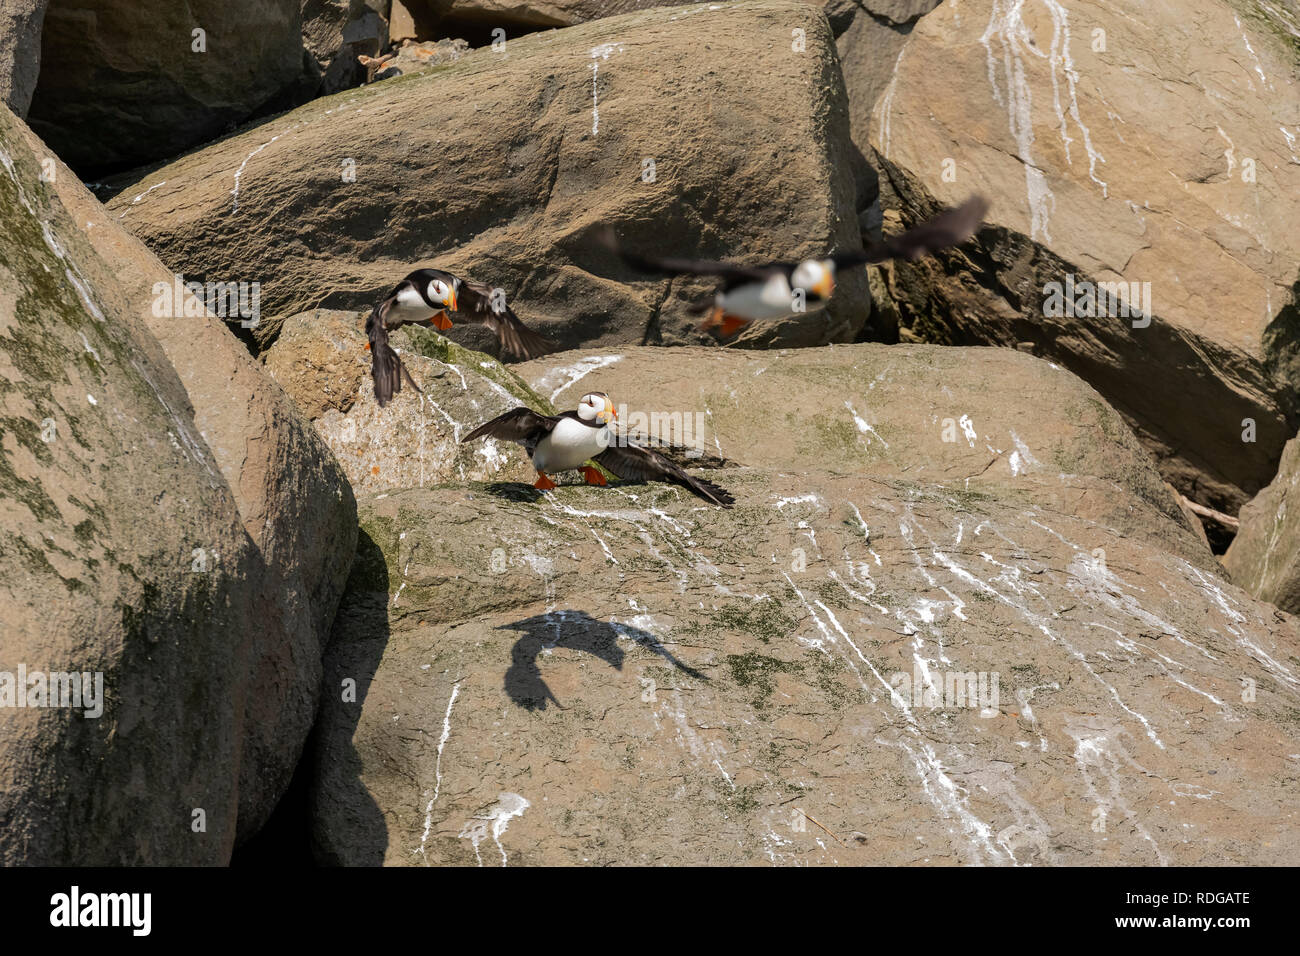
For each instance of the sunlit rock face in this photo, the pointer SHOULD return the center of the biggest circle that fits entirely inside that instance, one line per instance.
(320, 359)
(933, 629)
(1264, 557)
(1117, 147)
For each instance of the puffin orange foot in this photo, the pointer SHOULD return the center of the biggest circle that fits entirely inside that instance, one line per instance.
(712, 320)
(441, 322)
(731, 324)
(367, 346)
(593, 476)
(543, 483)
(723, 325)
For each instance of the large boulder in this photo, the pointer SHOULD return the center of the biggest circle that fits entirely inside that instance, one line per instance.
(254, 635)
(1117, 146)
(1264, 557)
(855, 664)
(414, 441)
(627, 121)
(20, 51)
(124, 82)
(891, 410)
(122, 557)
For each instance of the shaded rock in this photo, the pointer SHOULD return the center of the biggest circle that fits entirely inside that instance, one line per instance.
(624, 675)
(20, 51)
(1056, 113)
(295, 511)
(897, 11)
(350, 193)
(1264, 557)
(415, 19)
(1193, 520)
(934, 415)
(154, 93)
(336, 32)
(320, 360)
(884, 311)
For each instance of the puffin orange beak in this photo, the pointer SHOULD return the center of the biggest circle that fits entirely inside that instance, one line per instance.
(451, 300)
(825, 286)
(610, 413)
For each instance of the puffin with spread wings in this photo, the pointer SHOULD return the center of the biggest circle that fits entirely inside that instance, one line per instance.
(569, 440)
(430, 296)
(773, 290)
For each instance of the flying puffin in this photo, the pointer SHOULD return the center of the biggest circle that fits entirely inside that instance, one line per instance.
(567, 441)
(767, 291)
(427, 296)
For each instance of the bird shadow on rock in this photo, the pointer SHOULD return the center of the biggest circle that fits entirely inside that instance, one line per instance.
(348, 825)
(513, 491)
(579, 631)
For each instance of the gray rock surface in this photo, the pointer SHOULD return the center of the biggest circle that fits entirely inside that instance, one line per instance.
(503, 165)
(1117, 146)
(122, 554)
(277, 572)
(932, 414)
(626, 675)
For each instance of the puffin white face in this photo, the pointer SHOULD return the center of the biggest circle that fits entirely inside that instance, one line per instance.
(815, 275)
(596, 407)
(442, 293)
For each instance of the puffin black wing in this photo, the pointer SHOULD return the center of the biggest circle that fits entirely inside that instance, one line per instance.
(732, 274)
(521, 425)
(475, 298)
(641, 464)
(386, 367)
(950, 228)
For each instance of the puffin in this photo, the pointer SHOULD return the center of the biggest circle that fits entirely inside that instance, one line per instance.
(427, 296)
(567, 441)
(750, 293)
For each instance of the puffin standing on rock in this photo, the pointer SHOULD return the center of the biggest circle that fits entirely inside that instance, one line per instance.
(768, 291)
(567, 441)
(426, 296)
